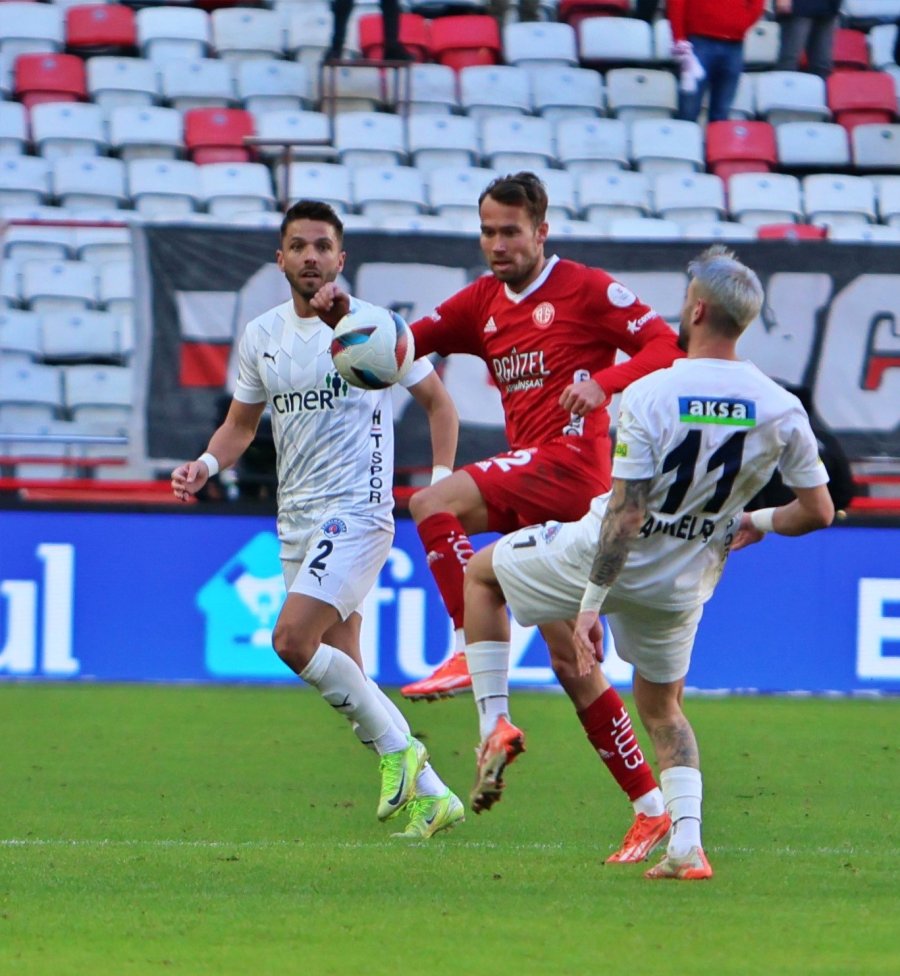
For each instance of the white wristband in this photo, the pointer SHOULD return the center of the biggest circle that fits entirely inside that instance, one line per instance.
(594, 596)
(211, 462)
(439, 472)
(762, 519)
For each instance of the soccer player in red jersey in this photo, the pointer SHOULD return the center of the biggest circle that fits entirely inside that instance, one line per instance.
(549, 330)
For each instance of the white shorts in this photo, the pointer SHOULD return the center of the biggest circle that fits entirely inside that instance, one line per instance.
(338, 561)
(543, 570)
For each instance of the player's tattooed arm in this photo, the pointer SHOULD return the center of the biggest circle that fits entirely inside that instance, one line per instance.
(623, 519)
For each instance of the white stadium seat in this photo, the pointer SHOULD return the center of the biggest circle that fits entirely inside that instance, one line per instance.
(271, 85)
(812, 145)
(761, 44)
(889, 200)
(791, 96)
(89, 182)
(539, 42)
(24, 242)
(97, 245)
(295, 127)
(197, 83)
(512, 142)
(230, 188)
(115, 287)
(717, 230)
(689, 197)
(611, 41)
(641, 93)
(764, 198)
(320, 181)
(60, 286)
(30, 393)
(31, 28)
(24, 180)
(166, 32)
(99, 394)
(438, 140)
(836, 198)
(114, 81)
(137, 132)
(643, 229)
(876, 147)
(68, 129)
(83, 337)
(244, 32)
(562, 93)
(380, 191)
(619, 193)
(369, 138)
(591, 145)
(13, 128)
(432, 88)
(20, 335)
(352, 89)
(454, 191)
(164, 186)
(490, 89)
(667, 145)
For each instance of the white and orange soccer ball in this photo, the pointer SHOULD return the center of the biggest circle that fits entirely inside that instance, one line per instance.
(372, 348)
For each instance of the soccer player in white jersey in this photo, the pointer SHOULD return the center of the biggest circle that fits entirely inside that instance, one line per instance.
(695, 442)
(335, 453)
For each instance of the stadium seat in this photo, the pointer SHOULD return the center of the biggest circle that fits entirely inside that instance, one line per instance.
(381, 191)
(761, 44)
(20, 336)
(114, 81)
(662, 44)
(163, 186)
(812, 146)
(454, 191)
(494, 89)
(610, 42)
(418, 224)
(13, 128)
(230, 188)
(470, 39)
(565, 93)
(855, 97)
(835, 198)
(245, 32)
(115, 288)
(414, 35)
(561, 191)
(667, 145)
(280, 125)
(540, 43)
(197, 83)
(352, 89)
(740, 147)
(49, 78)
(24, 180)
(876, 147)
(99, 394)
(137, 132)
(744, 105)
(10, 284)
(173, 32)
(863, 13)
(89, 182)
(309, 28)
(576, 230)
(97, 244)
(791, 96)
(321, 181)
(83, 337)
(573, 12)
(68, 129)
(889, 200)
(30, 394)
(764, 198)
(369, 139)
(850, 50)
(511, 143)
(431, 88)
(30, 28)
(717, 230)
(641, 93)
(266, 85)
(688, 197)
(216, 135)
(604, 197)
(643, 229)
(864, 233)
(791, 232)
(881, 40)
(101, 29)
(25, 242)
(60, 286)
(438, 140)
(592, 145)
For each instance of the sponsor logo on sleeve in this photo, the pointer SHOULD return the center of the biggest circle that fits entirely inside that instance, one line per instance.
(619, 295)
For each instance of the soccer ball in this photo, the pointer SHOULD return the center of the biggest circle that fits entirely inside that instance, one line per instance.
(372, 348)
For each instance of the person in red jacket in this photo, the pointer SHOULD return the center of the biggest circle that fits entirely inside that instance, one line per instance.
(710, 33)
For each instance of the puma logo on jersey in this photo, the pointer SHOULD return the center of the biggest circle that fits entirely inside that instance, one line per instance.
(490, 325)
(270, 355)
(717, 410)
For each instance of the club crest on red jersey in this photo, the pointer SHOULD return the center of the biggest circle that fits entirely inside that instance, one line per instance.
(544, 315)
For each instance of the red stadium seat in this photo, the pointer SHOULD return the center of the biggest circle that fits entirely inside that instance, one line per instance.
(573, 12)
(740, 147)
(466, 40)
(850, 50)
(855, 97)
(216, 135)
(791, 232)
(49, 78)
(101, 29)
(414, 35)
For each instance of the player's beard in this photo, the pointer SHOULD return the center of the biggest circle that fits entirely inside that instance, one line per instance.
(516, 277)
(306, 288)
(683, 333)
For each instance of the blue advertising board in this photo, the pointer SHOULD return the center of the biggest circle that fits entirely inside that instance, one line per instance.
(130, 596)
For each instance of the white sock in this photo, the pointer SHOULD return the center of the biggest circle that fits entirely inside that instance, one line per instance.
(341, 683)
(459, 640)
(650, 804)
(489, 666)
(428, 783)
(682, 787)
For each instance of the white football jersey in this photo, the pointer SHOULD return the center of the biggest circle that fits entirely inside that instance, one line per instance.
(334, 442)
(708, 433)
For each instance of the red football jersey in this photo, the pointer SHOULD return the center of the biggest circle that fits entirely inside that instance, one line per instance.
(566, 326)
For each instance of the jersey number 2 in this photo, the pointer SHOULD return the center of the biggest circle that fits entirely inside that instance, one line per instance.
(683, 459)
(325, 548)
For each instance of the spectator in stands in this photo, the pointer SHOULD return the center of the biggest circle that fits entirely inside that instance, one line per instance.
(390, 15)
(807, 25)
(712, 33)
(527, 10)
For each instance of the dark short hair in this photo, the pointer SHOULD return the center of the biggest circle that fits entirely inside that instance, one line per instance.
(313, 210)
(519, 190)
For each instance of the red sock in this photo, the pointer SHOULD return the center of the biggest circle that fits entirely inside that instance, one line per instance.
(448, 549)
(608, 726)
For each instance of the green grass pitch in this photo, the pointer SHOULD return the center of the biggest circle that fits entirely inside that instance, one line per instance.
(228, 830)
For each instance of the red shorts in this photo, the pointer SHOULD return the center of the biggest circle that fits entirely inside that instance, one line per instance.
(553, 482)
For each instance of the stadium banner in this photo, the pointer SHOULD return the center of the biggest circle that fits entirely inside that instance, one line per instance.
(830, 323)
(194, 596)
